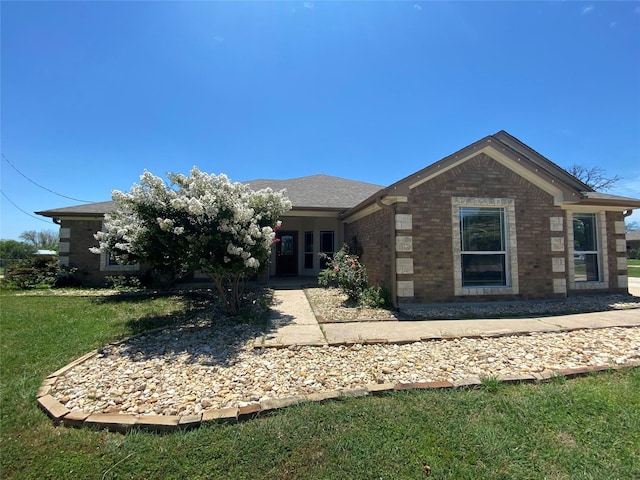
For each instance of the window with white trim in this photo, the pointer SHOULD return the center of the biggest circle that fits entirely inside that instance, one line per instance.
(485, 256)
(586, 259)
(483, 247)
(108, 263)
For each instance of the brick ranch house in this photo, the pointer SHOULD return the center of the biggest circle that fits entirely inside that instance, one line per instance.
(493, 221)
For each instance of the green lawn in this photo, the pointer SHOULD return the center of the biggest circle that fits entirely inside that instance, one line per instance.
(633, 267)
(565, 429)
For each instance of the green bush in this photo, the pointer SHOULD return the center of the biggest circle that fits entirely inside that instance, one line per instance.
(32, 272)
(345, 272)
(124, 282)
(376, 296)
(66, 277)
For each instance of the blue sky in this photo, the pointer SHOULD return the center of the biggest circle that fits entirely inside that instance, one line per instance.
(94, 92)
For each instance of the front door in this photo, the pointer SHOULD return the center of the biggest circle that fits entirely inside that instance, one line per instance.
(287, 253)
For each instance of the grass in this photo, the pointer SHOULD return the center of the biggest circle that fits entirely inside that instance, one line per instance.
(586, 427)
(633, 268)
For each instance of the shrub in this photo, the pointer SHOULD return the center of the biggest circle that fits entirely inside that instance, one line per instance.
(32, 272)
(198, 222)
(376, 296)
(124, 282)
(345, 272)
(66, 277)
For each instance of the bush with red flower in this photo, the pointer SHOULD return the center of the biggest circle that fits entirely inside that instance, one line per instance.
(346, 273)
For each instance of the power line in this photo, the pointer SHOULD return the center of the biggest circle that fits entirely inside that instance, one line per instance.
(41, 186)
(23, 211)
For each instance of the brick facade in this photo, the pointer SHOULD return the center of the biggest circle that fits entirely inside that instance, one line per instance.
(76, 238)
(372, 234)
(424, 254)
(408, 234)
(481, 177)
(79, 236)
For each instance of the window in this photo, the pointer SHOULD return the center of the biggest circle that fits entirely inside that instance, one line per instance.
(308, 250)
(483, 247)
(585, 248)
(326, 246)
(108, 263)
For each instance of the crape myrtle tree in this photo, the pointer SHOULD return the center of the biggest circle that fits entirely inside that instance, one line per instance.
(198, 222)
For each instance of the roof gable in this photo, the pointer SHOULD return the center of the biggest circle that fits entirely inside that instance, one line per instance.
(514, 155)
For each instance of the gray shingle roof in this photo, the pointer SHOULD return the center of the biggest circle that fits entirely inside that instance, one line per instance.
(87, 209)
(320, 191)
(314, 192)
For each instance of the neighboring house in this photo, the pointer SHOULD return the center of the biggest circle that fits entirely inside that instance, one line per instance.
(493, 221)
(633, 244)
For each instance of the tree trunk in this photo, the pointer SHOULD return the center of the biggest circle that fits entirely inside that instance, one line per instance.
(228, 292)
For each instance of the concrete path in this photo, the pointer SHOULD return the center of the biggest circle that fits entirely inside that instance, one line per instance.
(293, 323)
(413, 331)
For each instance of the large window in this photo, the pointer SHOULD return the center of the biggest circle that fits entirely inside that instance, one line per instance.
(483, 247)
(585, 248)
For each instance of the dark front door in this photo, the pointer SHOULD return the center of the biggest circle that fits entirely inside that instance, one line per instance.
(287, 253)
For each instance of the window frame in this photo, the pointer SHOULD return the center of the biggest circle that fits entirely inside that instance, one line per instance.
(466, 229)
(107, 264)
(508, 236)
(600, 236)
(308, 250)
(593, 227)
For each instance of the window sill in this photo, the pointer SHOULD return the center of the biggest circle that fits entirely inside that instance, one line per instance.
(478, 291)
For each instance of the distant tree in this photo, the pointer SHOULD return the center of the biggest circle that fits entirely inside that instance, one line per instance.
(200, 222)
(13, 249)
(632, 226)
(595, 177)
(44, 239)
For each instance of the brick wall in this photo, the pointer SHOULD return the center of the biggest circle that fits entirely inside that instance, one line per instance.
(373, 234)
(80, 238)
(76, 238)
(482, 177)
(430, 206)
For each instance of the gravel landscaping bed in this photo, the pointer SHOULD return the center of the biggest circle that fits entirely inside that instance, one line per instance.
(208, 365)
(329, 305)
(210, 362)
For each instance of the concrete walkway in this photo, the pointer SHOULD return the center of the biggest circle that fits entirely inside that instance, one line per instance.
(292, 320)
(293, 323)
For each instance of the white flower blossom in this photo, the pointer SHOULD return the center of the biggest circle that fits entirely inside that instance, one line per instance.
(165, 224)
(252, 263)
(201, 208)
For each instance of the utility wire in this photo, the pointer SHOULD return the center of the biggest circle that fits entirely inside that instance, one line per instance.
(43, 187)
(23, 211)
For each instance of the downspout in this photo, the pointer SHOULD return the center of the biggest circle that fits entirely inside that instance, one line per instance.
(394, 279)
